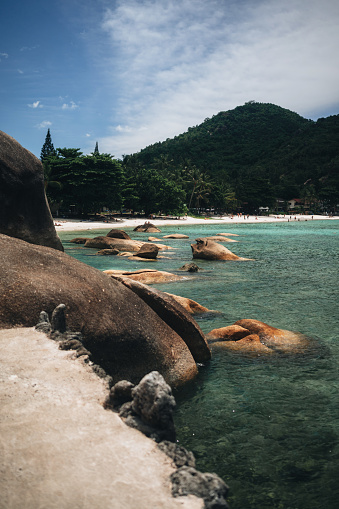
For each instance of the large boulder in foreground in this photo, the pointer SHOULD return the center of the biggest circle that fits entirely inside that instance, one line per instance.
(124, 335)
(24, 211)
(175, 315)
(209, 250)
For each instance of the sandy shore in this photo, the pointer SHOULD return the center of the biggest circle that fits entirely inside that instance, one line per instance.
(69, 225)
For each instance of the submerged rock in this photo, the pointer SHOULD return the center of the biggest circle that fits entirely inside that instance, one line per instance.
(190, 267)
(255, 336)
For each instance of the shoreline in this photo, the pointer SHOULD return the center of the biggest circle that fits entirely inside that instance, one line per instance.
(73, 225)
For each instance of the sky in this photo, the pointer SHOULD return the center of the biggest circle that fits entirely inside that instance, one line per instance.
(130, 73)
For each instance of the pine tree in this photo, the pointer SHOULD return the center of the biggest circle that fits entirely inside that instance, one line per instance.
(96, 150)
(47, 148)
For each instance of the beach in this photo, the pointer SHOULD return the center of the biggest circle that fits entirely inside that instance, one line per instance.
(72, 225)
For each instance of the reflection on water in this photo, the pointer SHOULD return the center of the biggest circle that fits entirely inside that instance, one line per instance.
(268, 426)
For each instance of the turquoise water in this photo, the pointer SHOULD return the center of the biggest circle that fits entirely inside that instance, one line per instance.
(268, 426)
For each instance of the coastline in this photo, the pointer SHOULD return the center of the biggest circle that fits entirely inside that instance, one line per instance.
(73, 225)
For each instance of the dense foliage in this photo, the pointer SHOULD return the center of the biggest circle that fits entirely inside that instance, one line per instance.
(262, 152)
(257, 155)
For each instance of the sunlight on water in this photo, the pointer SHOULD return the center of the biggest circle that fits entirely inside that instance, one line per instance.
(268, 427)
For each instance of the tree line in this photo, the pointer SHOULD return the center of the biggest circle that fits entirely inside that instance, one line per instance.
(256, 155)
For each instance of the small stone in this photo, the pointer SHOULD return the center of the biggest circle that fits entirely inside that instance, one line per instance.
(58, 320)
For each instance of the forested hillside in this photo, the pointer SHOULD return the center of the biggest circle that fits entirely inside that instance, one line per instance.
(257, 155)
(261, 152)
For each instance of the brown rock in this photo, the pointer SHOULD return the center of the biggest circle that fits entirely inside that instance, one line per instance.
(176, 236)
(190, 305)
(276, 339)
(118, 234)
(24, 211)
(79, 240)
(219, 238)
(230, 333)
(147, 276)
(147, 227)
(175, 315)
(124, 335)
(249, 344)
(149, 251)
(112, 243)
(229, 234)
(108, 252)
(209, 250)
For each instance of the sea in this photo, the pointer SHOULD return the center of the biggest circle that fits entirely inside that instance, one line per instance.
(267, 425)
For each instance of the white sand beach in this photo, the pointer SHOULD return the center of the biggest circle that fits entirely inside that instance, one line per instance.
(69, 224)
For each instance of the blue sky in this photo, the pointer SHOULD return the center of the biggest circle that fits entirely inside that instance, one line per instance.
(129, 73)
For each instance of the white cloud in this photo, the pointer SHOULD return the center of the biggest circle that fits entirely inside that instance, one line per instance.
(179, 62)
(36, 104)
(44, 124)
(3, 55)
(71, 106)
(20, 71)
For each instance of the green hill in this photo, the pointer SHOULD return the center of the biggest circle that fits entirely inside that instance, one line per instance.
(259, 151)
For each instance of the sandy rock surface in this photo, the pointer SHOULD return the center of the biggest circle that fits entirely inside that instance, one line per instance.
(59, 448)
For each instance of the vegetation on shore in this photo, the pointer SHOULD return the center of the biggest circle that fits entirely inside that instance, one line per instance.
(256, 155)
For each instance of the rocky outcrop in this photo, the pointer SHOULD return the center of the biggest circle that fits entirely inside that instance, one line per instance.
(229, 333)
(146, 276)
(113, 243)
(209, 250)
(276, 339)
(219, 238)
(124, 335)
(188, 481)
(149, 251)
(147, 227)
(176, 236)
(249, 344)
(79, 240)
(118, 234)
(190, 267)
(108, 252)
(254, 336)
(175, 315)
(24, 211)
(192, 307)
(149, 408)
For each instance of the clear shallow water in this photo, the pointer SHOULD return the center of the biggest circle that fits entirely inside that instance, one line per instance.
(268, 427)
